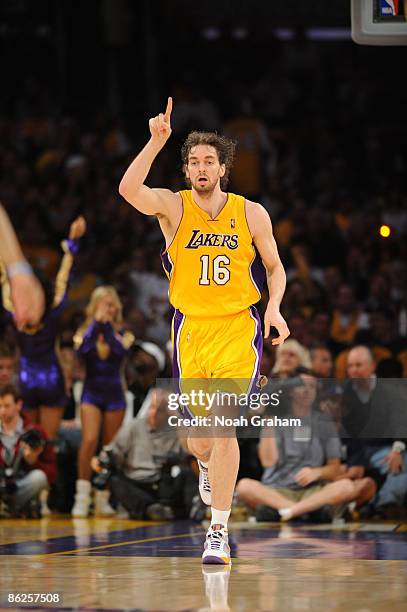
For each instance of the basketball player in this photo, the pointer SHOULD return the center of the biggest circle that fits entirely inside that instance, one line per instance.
(215, 243)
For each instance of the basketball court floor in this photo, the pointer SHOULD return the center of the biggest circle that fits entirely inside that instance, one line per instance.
(117, 564)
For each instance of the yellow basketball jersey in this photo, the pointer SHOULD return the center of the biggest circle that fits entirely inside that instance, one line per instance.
(213, 266)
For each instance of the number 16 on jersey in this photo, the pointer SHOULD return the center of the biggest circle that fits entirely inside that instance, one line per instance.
(220, 274)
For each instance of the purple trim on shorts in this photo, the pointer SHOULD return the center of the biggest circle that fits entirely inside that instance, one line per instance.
(179, 319)
(257, 344)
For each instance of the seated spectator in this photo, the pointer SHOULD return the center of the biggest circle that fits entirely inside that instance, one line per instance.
(290, 356)
(374, 417)
(383, 328)
(363, 337)
(300, 329)
(321, 331)
(146, 362)
(348, 317)
(139, 457)
(301, 464)
(321, 361)
(8, 364)
(27, 461)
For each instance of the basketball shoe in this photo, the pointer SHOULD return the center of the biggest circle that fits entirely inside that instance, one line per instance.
(216, 549)
(204, 484)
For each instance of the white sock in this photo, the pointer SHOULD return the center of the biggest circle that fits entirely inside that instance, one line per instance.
(285, 513)
(219, 517)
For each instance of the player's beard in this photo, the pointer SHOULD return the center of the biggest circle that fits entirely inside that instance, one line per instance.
(204, 189)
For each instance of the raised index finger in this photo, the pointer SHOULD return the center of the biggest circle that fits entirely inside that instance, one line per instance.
(168, 110)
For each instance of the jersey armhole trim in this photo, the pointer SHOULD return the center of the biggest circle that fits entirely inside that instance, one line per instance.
(247, 223)
(179, 224)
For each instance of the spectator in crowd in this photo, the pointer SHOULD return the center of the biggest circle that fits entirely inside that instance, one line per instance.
(348, 317)
(8, 364)
(321, 331)
(383, 328)
(40, 376)
(250, 164)
(375, 425)
(103, 345)
(290, 356)
(302, 464)
(27, 460)
(300, 329)
(145, 363)
(26, 293)
(151, 288)
(140, 459)
(321, 361)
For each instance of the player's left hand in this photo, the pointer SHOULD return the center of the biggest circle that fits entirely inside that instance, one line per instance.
(273, 318)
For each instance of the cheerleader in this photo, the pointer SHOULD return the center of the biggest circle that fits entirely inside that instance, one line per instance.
(102, 344)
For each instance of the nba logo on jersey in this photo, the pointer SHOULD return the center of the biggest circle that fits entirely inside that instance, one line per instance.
(389, 8)
(232, 223)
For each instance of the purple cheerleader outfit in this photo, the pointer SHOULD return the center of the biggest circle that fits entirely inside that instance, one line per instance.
(103, 351)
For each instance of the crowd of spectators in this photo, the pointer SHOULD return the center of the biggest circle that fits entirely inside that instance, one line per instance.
(313, 147)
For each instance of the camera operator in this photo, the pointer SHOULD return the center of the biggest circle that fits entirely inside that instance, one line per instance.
(145, 466)
(27, 461)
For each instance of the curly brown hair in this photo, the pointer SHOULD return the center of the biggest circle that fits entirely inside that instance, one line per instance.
(225, 149)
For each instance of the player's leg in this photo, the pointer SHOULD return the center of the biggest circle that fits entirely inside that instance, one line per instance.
(223, 468)
(235, 359)
(188, 338)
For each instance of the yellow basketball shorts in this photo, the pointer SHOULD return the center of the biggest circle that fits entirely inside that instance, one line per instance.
(215, 352)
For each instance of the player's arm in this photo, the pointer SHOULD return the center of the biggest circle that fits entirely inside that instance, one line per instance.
(262, 232)
(26, 292)
(132, 188)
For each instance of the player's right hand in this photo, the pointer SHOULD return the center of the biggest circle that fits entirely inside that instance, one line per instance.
(160, 126)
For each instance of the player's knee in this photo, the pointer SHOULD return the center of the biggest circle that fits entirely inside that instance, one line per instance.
(200, 448)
